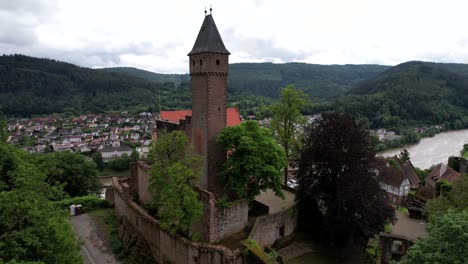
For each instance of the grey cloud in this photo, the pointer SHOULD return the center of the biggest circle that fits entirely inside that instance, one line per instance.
(260, 48)
(40, 9)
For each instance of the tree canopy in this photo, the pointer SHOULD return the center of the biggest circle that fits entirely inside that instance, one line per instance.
(78, 175)
(174, 170)
(340, 199)
(254, 161)
(287, 119)
(32, 228)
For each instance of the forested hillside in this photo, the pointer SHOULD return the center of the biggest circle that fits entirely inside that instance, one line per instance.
(412, 94)
(407, 95)
(42, 86)
(319, 82)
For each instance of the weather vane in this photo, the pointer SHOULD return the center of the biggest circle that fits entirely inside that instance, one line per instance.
(205, 11)
(211, 9)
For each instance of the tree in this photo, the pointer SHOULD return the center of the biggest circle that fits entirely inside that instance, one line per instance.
(287, 118)
(134, 156)
(172, 174)
(32, 229)
(73, 170)
(340, 199)
(404, 156)
(447, 242)
(3, 129)
(255, 160)
(97, 158)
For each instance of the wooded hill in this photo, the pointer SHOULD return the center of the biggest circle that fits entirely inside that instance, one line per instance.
(42, 86)
(320, 82)
(407, 95)
(411, 94)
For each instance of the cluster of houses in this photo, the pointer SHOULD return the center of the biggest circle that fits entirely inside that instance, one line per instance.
(111, 134)
(403, 186)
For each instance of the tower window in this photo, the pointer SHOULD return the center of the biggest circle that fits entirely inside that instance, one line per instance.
(193, 63)
(201, 63)
(217, 62)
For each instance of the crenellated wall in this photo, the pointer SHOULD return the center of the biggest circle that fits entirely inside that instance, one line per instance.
(136, 224)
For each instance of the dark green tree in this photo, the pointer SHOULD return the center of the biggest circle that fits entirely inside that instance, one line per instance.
(134, 156)
(340, 200)
(255, 160)
(404, 156)
(32, 229)
(73, 170)
(287, 118)
(97, 158)
(174, 170)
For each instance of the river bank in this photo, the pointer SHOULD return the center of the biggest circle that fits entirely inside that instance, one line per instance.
(433, 150)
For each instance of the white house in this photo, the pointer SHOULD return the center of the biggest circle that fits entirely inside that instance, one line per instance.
(115, 152)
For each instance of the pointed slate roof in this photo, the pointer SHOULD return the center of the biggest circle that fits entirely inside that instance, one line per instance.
(209, 39)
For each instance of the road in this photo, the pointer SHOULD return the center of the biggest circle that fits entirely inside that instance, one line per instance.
(94, 250)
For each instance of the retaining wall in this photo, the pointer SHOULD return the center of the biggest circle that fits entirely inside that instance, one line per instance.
(166, 248)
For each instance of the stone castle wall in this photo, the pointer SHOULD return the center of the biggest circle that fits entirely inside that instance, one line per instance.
(269, 228)
(165, 248)
(215, 223)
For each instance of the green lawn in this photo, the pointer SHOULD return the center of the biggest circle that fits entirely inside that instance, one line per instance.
(109, 172)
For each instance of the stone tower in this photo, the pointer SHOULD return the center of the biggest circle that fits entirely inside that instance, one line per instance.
(209, 65)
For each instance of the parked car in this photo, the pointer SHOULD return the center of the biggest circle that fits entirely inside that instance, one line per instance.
(293, 184)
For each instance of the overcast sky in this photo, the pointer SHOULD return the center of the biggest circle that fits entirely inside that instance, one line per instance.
(156, 35)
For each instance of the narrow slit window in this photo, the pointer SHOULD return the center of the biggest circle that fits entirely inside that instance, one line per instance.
(217, 62)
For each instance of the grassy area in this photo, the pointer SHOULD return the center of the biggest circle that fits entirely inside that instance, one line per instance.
(388, 228)
(465, 154)
(106, 223)
(400, 208)
(314, 258)
(109, 172)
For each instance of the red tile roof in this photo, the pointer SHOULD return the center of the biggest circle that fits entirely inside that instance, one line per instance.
(232, 116)
(175, 116)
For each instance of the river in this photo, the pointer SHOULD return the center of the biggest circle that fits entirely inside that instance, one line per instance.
(434, 150)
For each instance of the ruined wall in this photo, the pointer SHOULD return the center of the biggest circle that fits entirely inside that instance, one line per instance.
(136, 224)
(216, 223)
(269, 228)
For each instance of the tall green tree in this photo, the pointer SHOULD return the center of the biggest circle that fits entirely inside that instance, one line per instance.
(447, 242)
(287, 118)
(340, 199)
(97, 158)
(405, 156)
(174, 170)
(255, 160)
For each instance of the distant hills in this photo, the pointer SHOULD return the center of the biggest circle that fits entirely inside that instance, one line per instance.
(412, 93)
(320, 82)
(409, 94)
